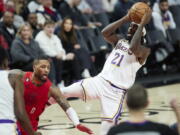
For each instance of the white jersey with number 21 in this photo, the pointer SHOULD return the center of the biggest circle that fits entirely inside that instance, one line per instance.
(121, 66)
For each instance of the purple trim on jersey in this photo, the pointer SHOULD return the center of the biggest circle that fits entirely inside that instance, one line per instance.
(118, 114)
(137, 123)
(78, 81)
(6, 121)
(84, 92)
(119, 111)
(116, 87)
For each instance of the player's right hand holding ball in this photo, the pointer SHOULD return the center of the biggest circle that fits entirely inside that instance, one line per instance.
(147, 17)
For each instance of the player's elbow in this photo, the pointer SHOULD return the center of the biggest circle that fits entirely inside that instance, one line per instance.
(148, 51)
(105, 33)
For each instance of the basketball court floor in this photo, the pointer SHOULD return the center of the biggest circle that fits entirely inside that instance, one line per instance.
(54, 121)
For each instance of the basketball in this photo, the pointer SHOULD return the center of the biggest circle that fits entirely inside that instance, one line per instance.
(137, 11)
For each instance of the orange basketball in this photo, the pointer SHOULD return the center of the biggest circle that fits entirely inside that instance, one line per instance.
(137, 11)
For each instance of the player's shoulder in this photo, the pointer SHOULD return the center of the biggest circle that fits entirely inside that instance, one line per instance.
(14, 76)
(16, 73)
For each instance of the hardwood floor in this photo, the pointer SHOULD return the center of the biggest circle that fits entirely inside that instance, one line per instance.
(55, 122)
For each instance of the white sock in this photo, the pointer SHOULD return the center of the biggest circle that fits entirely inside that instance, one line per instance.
(105, 127)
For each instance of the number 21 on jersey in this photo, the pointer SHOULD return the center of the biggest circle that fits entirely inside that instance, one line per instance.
(117, 59)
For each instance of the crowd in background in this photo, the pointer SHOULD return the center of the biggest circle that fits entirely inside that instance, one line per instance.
(69, 33)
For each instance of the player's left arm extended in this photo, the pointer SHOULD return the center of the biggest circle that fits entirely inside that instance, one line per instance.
(70, 112)
(57, 95)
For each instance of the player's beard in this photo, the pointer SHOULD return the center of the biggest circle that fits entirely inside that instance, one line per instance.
(163, 12)
(41, 78)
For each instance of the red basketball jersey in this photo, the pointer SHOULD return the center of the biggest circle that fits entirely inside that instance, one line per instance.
(35, 98)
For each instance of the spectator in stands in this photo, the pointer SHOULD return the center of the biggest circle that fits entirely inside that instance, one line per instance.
(3, 42)
(71, 45)
(32, 20)
(1, 8)
(137, 101)
(84, 7)
(25, 49)
(96, 5)
(69, 8)
(174, 2)
(7, 28)
(109, 5)
(10, 5)
(21, 8)
(52, 47)
(162, 17)
(47, 12)
(99, 11)
(34, 5)
(121, 8)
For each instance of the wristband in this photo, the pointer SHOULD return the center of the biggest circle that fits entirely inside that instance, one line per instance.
(72, 116)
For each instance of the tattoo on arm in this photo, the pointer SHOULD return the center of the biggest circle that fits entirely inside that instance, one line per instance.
(14, 76)
(57, 95)
(16, 81)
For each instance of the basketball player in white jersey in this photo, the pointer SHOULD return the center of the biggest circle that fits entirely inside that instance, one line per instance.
(11, 100)
(118, 73)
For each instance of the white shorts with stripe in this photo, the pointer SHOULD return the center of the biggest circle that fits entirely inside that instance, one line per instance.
(8, 129)
(111, 97)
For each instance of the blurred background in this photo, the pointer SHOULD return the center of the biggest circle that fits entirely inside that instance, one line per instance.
(69, 33)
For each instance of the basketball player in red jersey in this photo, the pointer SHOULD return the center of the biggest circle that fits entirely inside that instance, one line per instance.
(11, 100)
(38, 89)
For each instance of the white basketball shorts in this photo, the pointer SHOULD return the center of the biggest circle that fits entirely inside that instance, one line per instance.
(8, 127)
(111, 97)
